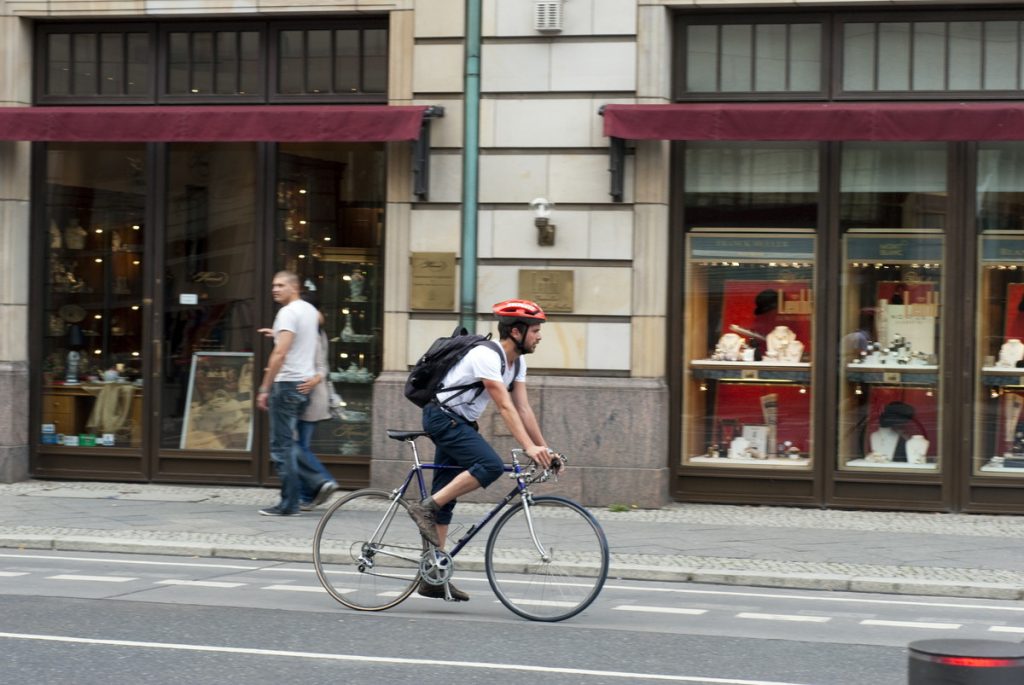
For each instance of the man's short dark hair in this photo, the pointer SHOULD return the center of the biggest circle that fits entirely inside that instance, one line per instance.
(505, 329)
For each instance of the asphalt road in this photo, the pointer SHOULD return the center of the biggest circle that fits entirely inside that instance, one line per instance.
(106, 618)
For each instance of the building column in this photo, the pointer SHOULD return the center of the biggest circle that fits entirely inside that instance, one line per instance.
(15, 172)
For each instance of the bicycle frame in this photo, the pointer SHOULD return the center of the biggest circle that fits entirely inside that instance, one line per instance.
(521, 489)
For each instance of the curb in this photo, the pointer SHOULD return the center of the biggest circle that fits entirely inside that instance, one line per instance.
(617, 571)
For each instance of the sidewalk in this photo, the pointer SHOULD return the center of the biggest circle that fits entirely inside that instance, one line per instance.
(954, 555)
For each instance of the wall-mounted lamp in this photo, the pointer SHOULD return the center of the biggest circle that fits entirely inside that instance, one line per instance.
(545, 229)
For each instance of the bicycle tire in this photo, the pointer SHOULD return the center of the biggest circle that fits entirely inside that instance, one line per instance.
(572, 577)
(363, 573)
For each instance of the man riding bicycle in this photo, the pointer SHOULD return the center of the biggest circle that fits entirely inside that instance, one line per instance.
(451, 420)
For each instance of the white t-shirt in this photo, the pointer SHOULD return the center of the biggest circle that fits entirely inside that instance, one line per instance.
(303, 320)
(480, 363)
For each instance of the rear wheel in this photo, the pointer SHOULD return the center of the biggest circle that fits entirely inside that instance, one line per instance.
(367, 550)
(562, 581)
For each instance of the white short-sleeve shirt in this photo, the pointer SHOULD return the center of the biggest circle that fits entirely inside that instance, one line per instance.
(303, 320)
(480, 363)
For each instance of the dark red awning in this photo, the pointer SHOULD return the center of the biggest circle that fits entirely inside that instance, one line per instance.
(907, 121)
(280, 123)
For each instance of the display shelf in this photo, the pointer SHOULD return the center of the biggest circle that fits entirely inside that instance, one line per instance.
(706, 369)
(732, 461)
(865, 464)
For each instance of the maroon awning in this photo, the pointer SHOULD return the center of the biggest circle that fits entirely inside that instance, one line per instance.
(818, 121)
(281, 123)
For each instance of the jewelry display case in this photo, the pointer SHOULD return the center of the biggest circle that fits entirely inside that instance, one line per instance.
(999, 431)
(889, 415)
(749, 326)
(92, 347)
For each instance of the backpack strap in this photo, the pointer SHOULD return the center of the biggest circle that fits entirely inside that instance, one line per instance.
(478, 385)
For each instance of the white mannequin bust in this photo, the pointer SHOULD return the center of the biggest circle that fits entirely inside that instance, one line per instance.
(1011, 352)
(729, 345)
(782, 344)
(883, 443)
(738, 448)
(917, 449)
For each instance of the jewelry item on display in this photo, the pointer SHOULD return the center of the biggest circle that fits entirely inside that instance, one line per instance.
(883, 442)
(356, 281)
(783, 345)
(1011, 352)
(713, 451)
(917, 449)
(56, 242)
(730, 348)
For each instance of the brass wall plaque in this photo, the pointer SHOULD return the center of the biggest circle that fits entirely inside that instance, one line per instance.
(552, 290)
(432, 286)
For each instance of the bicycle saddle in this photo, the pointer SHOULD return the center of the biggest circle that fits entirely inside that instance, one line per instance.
(405, 435)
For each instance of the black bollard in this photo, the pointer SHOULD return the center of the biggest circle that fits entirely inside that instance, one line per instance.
(966, 662)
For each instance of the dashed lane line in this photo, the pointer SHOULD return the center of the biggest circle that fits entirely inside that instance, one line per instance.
(1006, 629)
(303, 588)
(783, 617)
(910, 624)
(201, 583)
(660, 610)
(93, 579)
(12, 574)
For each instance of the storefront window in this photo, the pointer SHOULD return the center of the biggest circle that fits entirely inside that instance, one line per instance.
(210, 321)
(751, 211)
(93, 349)
(330, 226)
(892, 200)
(999, 449)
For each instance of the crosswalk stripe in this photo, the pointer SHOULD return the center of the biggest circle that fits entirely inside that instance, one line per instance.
(910, 624)
(660, 610)
(784, 617)
(200, 583)
(98, 579)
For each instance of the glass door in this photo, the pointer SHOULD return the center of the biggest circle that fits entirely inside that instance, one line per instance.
(209, 292)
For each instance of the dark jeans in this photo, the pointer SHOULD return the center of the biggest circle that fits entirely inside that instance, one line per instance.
(294, 470)
(306, 429)
(458, 444)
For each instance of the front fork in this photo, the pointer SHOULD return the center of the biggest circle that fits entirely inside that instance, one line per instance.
(527, 500)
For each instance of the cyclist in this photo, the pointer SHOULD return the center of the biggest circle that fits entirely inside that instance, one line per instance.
(451, 421)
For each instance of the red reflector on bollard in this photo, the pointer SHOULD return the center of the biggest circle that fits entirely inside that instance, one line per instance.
(975, 662)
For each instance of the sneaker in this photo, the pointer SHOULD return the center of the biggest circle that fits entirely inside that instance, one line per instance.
(437, 592)
(426, 520)
(305, 506)
(326, 490)
(277, 511)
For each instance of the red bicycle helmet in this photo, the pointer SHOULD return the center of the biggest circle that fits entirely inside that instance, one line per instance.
(511, 311)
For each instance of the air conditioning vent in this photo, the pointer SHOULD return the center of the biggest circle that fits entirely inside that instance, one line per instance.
(547, 16)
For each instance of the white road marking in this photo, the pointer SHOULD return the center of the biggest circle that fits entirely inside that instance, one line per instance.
(304, 588)
(660, 610)
(482, 665)
(542, 602)
(1006, 629)
(910, 624)
(12, 574)
(812, 598)
(200, 583)
(130, 561)
(783, 617)
(98, 579)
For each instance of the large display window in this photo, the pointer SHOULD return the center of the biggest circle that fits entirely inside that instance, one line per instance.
(92, 347)
(749, 327)
(893, 211)
(999, 424)
(889, 406)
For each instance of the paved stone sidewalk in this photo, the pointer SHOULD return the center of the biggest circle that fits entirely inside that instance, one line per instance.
(907, 553)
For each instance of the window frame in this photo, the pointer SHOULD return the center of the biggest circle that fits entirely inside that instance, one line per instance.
(159, 61)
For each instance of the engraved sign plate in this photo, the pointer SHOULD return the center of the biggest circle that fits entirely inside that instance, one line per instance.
(432, 286)
(552, 290)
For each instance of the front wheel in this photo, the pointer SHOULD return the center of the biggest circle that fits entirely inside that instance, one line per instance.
(366, 550)
(556, 579)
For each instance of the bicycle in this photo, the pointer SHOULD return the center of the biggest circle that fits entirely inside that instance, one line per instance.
(546, 557)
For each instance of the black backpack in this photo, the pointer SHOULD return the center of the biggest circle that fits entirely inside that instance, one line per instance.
(425, 379)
